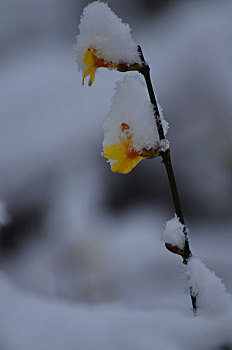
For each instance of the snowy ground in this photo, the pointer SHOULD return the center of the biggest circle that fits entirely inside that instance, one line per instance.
(130, 294)
(87, 277)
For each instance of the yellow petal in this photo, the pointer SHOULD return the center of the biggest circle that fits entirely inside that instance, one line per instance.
(88, 71)
(89, 59)
(115, 152)
(124, 166)
(92, 77)
(136, 161)
(121, 166)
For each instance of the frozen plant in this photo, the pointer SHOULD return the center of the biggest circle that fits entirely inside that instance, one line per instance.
(130, 131)
(104, 41)
(135, 128)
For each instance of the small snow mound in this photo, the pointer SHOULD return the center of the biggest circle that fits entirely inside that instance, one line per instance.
(173, 233)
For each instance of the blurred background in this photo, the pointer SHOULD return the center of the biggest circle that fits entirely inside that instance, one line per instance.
(72, 229)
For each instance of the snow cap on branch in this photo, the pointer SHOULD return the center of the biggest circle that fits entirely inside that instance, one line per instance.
(173, 233)
(212, 297)
(104, 34)
(130, 123)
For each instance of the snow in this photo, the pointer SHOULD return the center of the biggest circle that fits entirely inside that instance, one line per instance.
(173, 233)
(43, 324)
(130, 105)
(102, 30)
(212, 297)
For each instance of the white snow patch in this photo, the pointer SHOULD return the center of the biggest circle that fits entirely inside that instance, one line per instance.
(52, 324)
(102, 30)
(212, 297)
(164, 144)
(173, 233)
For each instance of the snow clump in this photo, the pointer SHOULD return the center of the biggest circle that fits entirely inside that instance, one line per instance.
(173, 233)
(212, 297)
(131, 106)
(102, 30)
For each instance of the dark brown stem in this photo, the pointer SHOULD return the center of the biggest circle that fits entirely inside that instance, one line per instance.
(166, 156)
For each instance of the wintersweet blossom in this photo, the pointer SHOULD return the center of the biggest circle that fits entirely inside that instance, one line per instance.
(130, 133)
(93, 62)
(125, 155)
(130, 105)
(104, 41)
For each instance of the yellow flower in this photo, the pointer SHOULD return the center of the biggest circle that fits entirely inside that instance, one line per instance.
(127, 157)
(93, 63)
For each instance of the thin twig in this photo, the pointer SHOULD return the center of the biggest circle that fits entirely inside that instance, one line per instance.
(166, 157)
